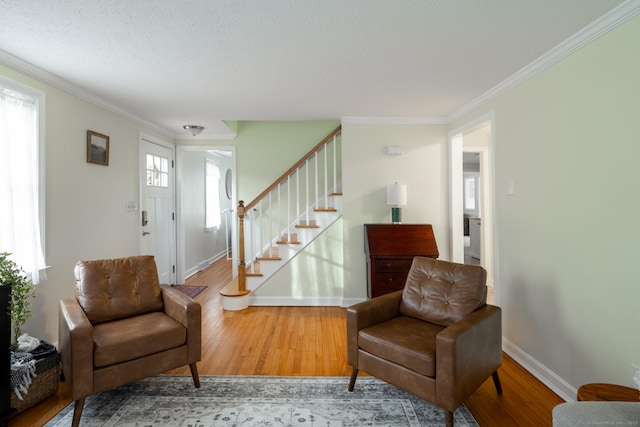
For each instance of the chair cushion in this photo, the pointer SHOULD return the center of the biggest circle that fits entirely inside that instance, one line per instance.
(135, 337)
(443, 292)
(118, 288)
(403, 340)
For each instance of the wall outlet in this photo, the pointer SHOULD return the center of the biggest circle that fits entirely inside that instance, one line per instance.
(635, 376)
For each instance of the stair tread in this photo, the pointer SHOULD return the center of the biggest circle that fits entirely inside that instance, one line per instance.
(307, 226)
(231, 289)
(325, 210)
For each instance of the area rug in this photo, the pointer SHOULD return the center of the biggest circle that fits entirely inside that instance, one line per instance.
(192, 291)
(172, 400)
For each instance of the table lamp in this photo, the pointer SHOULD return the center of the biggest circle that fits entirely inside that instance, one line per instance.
(396, 197)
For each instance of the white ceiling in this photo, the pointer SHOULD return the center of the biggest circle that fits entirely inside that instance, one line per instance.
(170, 63)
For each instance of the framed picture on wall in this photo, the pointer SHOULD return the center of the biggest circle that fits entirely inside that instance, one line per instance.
(97, 148)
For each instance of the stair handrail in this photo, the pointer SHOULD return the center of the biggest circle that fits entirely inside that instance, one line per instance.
(293, 168)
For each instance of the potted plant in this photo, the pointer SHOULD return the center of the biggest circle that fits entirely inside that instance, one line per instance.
(21, 291)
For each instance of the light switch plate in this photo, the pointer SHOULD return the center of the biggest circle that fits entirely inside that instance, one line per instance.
(132, 206)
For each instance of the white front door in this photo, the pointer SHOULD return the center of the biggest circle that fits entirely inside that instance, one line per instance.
(157, 217)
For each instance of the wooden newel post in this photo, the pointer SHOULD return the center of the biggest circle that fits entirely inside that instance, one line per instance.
(242, 271)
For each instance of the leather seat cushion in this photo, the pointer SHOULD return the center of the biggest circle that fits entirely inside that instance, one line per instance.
(443, 292)
(134, 337)
(403, 340)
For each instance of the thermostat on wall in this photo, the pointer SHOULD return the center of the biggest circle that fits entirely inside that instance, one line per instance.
(394, 150)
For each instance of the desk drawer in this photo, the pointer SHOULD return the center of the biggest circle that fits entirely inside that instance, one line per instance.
(391, 264)
(392, 281)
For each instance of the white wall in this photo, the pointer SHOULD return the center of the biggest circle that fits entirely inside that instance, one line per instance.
(367, 170)
(567, 250)
(86, 214)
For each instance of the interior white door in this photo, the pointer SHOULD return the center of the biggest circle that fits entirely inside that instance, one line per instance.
(157, 217)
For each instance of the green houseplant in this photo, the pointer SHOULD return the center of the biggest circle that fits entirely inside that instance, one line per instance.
(21, 291)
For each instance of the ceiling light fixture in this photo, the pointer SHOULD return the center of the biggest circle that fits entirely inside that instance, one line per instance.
(193, 129)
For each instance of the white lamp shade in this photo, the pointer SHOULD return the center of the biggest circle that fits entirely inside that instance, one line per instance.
(396, 194)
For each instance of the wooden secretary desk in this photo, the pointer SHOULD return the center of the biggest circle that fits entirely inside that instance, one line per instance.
(390, 249)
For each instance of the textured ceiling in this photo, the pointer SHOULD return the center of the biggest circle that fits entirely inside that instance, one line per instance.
(171, 62)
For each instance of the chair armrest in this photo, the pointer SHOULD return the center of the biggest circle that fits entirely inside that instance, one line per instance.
(368, 313)
(188, 313)
(467, 353)
(75, 342)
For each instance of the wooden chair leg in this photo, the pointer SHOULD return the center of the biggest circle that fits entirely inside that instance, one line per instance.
(77, 412)
(448, 418)
(496, 382)
(352, 381)
(194, 375)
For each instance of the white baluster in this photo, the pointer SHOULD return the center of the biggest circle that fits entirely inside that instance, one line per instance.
(289, 208)
(326, 179)
(270, 226)
(307, 202)
(297, 172)
(335, 163)
(315, 156)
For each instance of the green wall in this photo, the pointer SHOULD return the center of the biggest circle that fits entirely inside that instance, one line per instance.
(266, 149)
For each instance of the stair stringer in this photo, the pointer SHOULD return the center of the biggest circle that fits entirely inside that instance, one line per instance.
(288, 252)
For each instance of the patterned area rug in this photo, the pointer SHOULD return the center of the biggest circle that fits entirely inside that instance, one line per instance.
(172, 400)
(192, 291)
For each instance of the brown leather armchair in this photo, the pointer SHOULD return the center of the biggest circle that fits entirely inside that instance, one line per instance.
(437, 338)
(123, 326)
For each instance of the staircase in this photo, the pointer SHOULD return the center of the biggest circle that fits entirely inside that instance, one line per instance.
(285, 218)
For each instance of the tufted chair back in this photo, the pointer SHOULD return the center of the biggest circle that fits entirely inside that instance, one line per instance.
(117, 288)
(443, 292)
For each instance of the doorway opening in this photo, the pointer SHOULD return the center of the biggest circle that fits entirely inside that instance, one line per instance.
(205, 181)
(472, 198)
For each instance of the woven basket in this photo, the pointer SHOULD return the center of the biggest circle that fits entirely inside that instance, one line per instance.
(44, 385)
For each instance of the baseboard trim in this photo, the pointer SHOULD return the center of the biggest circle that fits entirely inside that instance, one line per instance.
(346, 302)
(204, 264)
(549, 378)
(294, 301)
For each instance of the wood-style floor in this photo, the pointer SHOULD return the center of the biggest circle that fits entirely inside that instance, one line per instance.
(311, 341)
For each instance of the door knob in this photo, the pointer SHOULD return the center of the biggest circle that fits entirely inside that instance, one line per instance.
(144, 233)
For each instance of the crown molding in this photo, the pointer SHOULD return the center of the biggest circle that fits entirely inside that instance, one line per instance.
(382, 120)
(51, 79)
(597, 28)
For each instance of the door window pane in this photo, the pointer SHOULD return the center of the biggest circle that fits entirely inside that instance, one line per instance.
(157, 171)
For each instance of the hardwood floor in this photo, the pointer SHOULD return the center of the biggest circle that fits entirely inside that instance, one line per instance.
(311, 341)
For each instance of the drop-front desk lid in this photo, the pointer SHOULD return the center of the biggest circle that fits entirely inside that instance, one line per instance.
(400, 240)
